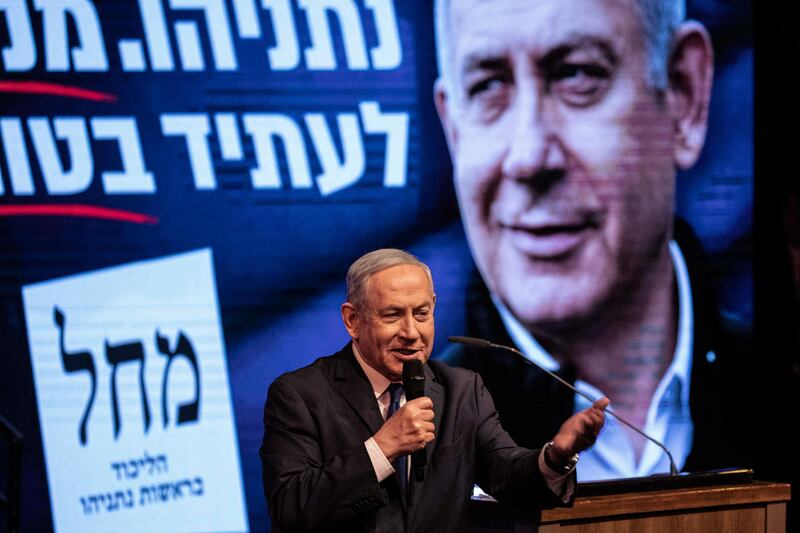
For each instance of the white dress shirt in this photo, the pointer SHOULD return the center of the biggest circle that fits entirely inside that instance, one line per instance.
(668, 418)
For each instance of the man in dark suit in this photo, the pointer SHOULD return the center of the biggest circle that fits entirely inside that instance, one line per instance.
(566, 132)
(338, 432)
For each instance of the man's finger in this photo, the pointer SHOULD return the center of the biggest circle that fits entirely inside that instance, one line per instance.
(597, 418)
(601, 404)
(425, 427)
(426, 414)
(423, 402)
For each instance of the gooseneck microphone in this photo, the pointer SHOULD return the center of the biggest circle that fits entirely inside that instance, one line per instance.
(414, 386)
(483, 344)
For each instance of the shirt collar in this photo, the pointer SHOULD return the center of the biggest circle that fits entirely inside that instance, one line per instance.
(378, 381)
(682, 361)
(682, 358)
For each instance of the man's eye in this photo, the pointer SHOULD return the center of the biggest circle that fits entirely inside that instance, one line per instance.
(579, 84)
(487, 86)
(487, 97)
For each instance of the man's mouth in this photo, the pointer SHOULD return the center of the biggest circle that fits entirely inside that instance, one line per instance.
(549, 238)
(408, 353)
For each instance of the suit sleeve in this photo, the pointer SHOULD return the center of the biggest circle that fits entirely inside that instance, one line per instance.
(304, 491)
(506, 471)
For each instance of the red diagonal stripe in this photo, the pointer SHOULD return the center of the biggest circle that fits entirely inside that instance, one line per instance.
(55, 89)
(78, 211)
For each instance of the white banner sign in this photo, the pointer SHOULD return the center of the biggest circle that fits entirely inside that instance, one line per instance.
(134, 399)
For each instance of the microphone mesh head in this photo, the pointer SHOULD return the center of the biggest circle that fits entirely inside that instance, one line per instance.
(413, 379)
(412, 369)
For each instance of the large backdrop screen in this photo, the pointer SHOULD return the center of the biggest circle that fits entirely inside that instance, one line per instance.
(183, 184)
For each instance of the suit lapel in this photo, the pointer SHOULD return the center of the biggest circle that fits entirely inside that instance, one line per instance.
(353, 385)
(435, 391)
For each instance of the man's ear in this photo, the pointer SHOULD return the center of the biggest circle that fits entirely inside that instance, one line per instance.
(691, 72)
(441, 101)
(350, 319)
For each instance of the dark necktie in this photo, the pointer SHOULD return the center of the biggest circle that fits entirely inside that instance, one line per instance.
(400, 464)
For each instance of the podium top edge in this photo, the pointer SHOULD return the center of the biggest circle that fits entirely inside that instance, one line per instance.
(684, 480)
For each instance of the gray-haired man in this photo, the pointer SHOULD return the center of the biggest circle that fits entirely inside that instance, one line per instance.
(334, 430)
(566, 121)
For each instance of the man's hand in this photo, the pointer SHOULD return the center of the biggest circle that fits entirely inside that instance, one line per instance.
(578, 432)
(408, 430)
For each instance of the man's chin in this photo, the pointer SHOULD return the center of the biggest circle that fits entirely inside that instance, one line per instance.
(558, 315)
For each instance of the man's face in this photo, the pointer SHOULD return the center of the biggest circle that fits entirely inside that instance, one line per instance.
(563, 155)
(397, 323)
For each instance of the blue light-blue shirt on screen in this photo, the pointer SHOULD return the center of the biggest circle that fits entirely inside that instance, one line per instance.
(668, 417)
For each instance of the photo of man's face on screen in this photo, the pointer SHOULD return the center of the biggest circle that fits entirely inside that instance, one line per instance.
(567, 124)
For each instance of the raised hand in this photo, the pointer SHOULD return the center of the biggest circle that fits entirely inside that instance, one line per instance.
(578, 432)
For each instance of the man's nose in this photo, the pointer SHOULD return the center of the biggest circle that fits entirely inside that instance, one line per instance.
(535, 152)
(408, 328)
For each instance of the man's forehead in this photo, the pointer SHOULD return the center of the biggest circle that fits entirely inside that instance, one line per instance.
(398, 277)
(496, 24)
(460, 7)
(390, 302)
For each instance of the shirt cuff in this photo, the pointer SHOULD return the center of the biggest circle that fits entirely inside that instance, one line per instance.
(562, 484)
(381, 465)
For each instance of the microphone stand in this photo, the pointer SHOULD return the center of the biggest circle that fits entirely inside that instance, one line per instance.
(484, 344)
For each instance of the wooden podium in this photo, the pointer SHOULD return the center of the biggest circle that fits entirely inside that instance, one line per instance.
(717, 505)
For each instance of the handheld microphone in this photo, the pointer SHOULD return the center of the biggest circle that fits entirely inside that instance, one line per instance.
(414, 386)
(483, 344)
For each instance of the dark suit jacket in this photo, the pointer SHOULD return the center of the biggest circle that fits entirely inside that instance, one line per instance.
(533, 406)
(318, 476)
